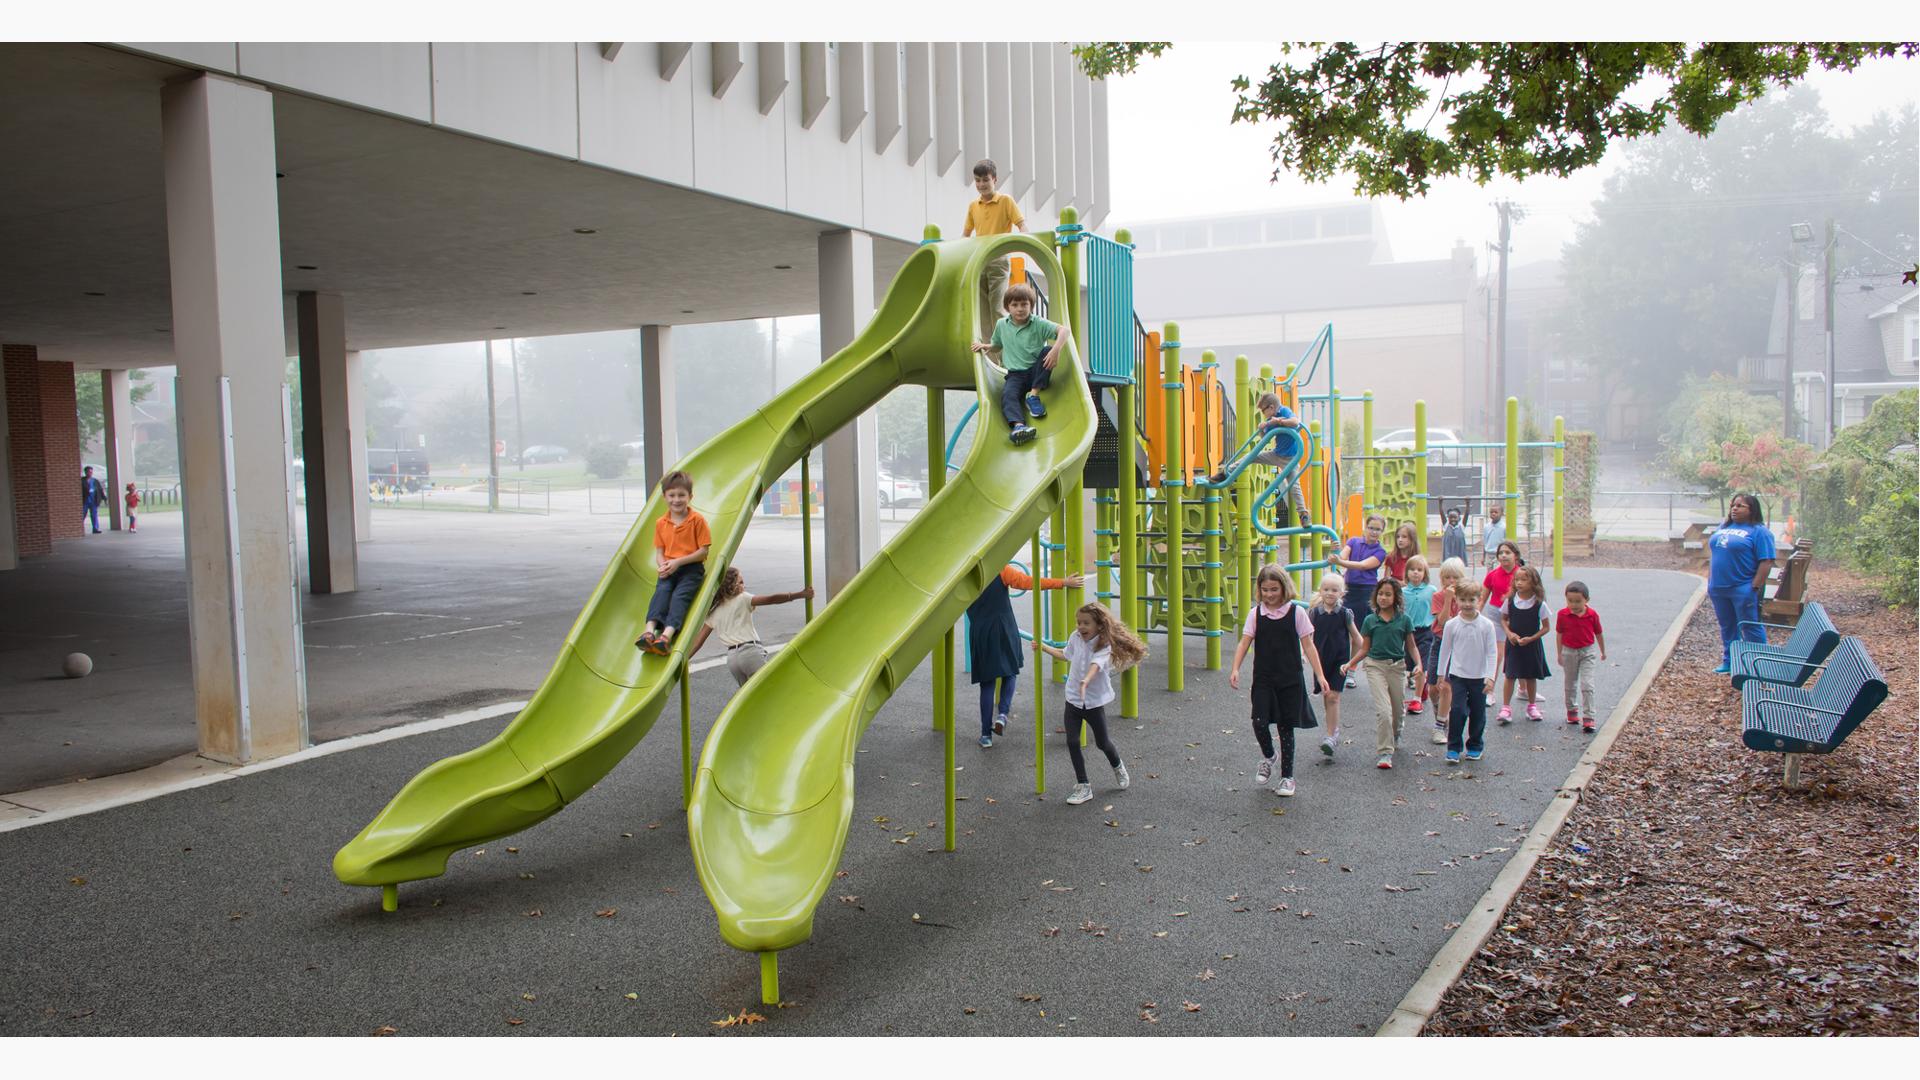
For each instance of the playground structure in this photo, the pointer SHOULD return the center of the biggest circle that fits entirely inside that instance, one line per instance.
(770, 800)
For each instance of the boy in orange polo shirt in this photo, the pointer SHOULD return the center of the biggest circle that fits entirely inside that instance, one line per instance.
(680, 542)
(992, 214)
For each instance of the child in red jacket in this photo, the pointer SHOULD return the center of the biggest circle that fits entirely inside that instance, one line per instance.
(133, 503)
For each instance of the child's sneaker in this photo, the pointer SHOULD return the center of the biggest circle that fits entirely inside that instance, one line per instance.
(1000, 723)
(1022, 434)
(1263, 772)
(1572, 717)
(1453, 757)
(1353, 681)
(1414, 706)
(1121, 778)
(1081, 793)
(1385, 762)
(1587, 725)
(1474, 755)
(1439, 732)
(647, 638)
(1533, 711)
(1035, 407)
(986, 742)
(1326, 744)
(1506, 714)
(1284, 788)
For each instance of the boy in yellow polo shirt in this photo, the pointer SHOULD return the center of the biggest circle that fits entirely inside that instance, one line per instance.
(992, 214)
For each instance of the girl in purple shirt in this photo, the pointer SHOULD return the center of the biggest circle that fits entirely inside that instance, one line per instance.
(1362, 558)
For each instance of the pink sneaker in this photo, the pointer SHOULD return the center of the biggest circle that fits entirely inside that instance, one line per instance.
(1573, 717)
(1506, 714)
(1533, 711)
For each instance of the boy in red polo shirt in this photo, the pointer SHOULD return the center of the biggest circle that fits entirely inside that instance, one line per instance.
(1583, 644)
(680, 542)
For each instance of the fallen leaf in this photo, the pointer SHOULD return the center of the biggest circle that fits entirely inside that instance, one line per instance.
(513, 851)
(526, 997)
(1051, 931)
(1181, 914)
(968, 1009)
(526, 877)
(386, 1031)
(1205, 976)
(652, 825)
(627, 835)
(1029, 997)
(606, 913)
(737, 1019)
(849, 899)
(1190, 1006)
(1159, 933)
(534, 914)
(633, 997)
(76, 881)
(514, 1021)
(1146, 869)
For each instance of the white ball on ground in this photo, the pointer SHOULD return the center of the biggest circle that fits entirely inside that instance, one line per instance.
(78, 664)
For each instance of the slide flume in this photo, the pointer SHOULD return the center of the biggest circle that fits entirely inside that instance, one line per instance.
(773, 794)
(603, 695)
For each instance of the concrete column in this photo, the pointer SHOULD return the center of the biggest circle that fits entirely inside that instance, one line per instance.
(116, 402)
(327, 435)
(357, 449)
(223, 241)
(659, 402)
(852, 455)
(9, 544)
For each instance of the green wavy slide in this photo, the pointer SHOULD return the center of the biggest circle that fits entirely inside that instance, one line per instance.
(773, 794)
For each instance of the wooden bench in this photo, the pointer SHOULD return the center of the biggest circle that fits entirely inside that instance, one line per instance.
(1792, 662)
(1785, 596)
(1794, 720)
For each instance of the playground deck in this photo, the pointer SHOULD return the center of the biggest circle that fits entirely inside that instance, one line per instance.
(215, 912)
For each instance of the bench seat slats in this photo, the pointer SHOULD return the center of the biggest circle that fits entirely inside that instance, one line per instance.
(1813, 720)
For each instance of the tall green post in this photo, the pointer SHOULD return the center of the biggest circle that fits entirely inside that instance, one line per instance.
(1039, 683)
(1509, 497)
(1332, 436)
(1420, 472)
(1174, 485)
(937, 479)
(1371, 499)
(1317, 543)
(1057, 614)
(1210, 531)
(1127, 556)
(686, 739)
(1074, 499)
(806, 528)
(1243, 495)
(1559, 496)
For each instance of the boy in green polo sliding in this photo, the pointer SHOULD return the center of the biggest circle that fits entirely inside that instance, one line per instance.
(1029, 347)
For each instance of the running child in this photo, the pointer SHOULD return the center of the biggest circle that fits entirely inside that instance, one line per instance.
(1467, 666)
(1389, 635)
(1452, 573)
(732, 619)
(993, 644)
(1100, 643)
(1495, 585)
(1418, 596)
(1281, 635)
(1361, 558)
(133, 503)
(681, 539)
(1526, 621)
(1029, 348)
(1582, 646)
(1336, 639)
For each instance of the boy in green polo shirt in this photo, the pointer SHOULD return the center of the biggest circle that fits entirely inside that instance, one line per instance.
(1029, 347)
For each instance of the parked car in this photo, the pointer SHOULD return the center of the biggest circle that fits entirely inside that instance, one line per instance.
(405, 468)
(544, 455)
(1437, 439)
(900, 492)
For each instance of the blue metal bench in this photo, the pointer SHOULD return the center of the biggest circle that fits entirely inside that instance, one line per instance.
(1792, 662)
(1796, 720)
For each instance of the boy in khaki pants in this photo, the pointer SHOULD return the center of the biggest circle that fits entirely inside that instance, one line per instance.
(992, 214)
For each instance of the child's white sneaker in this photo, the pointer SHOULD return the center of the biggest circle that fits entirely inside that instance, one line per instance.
(1284, 788)
(1000, 723)
(1326, 744)
(1439, 733)
(1263, 772)
(1121, 778)
(1081, 793)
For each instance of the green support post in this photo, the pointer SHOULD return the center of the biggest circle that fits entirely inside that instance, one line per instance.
(1039, 684)
(1317, 543)
(769, 978)
(1332, 435)
(1368, 501)
(1508, 498)
(937, 479)
(1127, 557)
(1559, 496)
(1210, 532)
(806, 527)
(1058, 617)
(1243, 495)
(686, 739)
(1074, 318)
(389, 898)
(1420, 472)
(1174, 512)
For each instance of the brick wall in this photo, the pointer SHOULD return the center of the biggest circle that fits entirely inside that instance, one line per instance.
(60, 435)
(26, 453)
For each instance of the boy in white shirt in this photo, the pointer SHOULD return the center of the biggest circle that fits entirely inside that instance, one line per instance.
(1467, 658)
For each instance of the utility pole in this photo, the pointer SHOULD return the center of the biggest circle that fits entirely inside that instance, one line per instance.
(1833, 240)
(519, 432)
(493, 438)
(1793, 316)
(1506, 257)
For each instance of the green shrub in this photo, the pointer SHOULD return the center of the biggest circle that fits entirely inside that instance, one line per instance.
(1859, 502)
(606, 460)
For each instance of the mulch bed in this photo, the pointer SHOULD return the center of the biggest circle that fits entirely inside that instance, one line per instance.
(1690, 893)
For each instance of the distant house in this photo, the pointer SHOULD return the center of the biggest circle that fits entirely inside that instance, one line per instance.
(1876, 347)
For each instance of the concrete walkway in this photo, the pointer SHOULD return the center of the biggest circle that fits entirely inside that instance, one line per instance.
(214, 912)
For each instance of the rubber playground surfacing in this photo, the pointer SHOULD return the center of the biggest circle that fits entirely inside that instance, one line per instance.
(214, 911)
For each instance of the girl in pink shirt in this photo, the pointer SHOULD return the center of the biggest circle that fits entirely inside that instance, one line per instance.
(1281, 637)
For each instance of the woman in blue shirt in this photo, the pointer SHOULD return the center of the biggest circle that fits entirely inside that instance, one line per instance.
(1742, 554)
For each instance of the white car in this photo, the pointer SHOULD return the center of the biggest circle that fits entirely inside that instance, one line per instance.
(900, 492)
(1437, 439)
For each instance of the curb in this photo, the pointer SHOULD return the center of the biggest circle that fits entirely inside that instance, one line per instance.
(1423, 999)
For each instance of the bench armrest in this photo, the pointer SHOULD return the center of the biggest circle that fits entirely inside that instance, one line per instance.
(1767, 625)
(1796, 705)
(1748, 659)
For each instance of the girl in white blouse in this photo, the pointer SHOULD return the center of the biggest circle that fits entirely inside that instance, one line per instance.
(732, 621)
